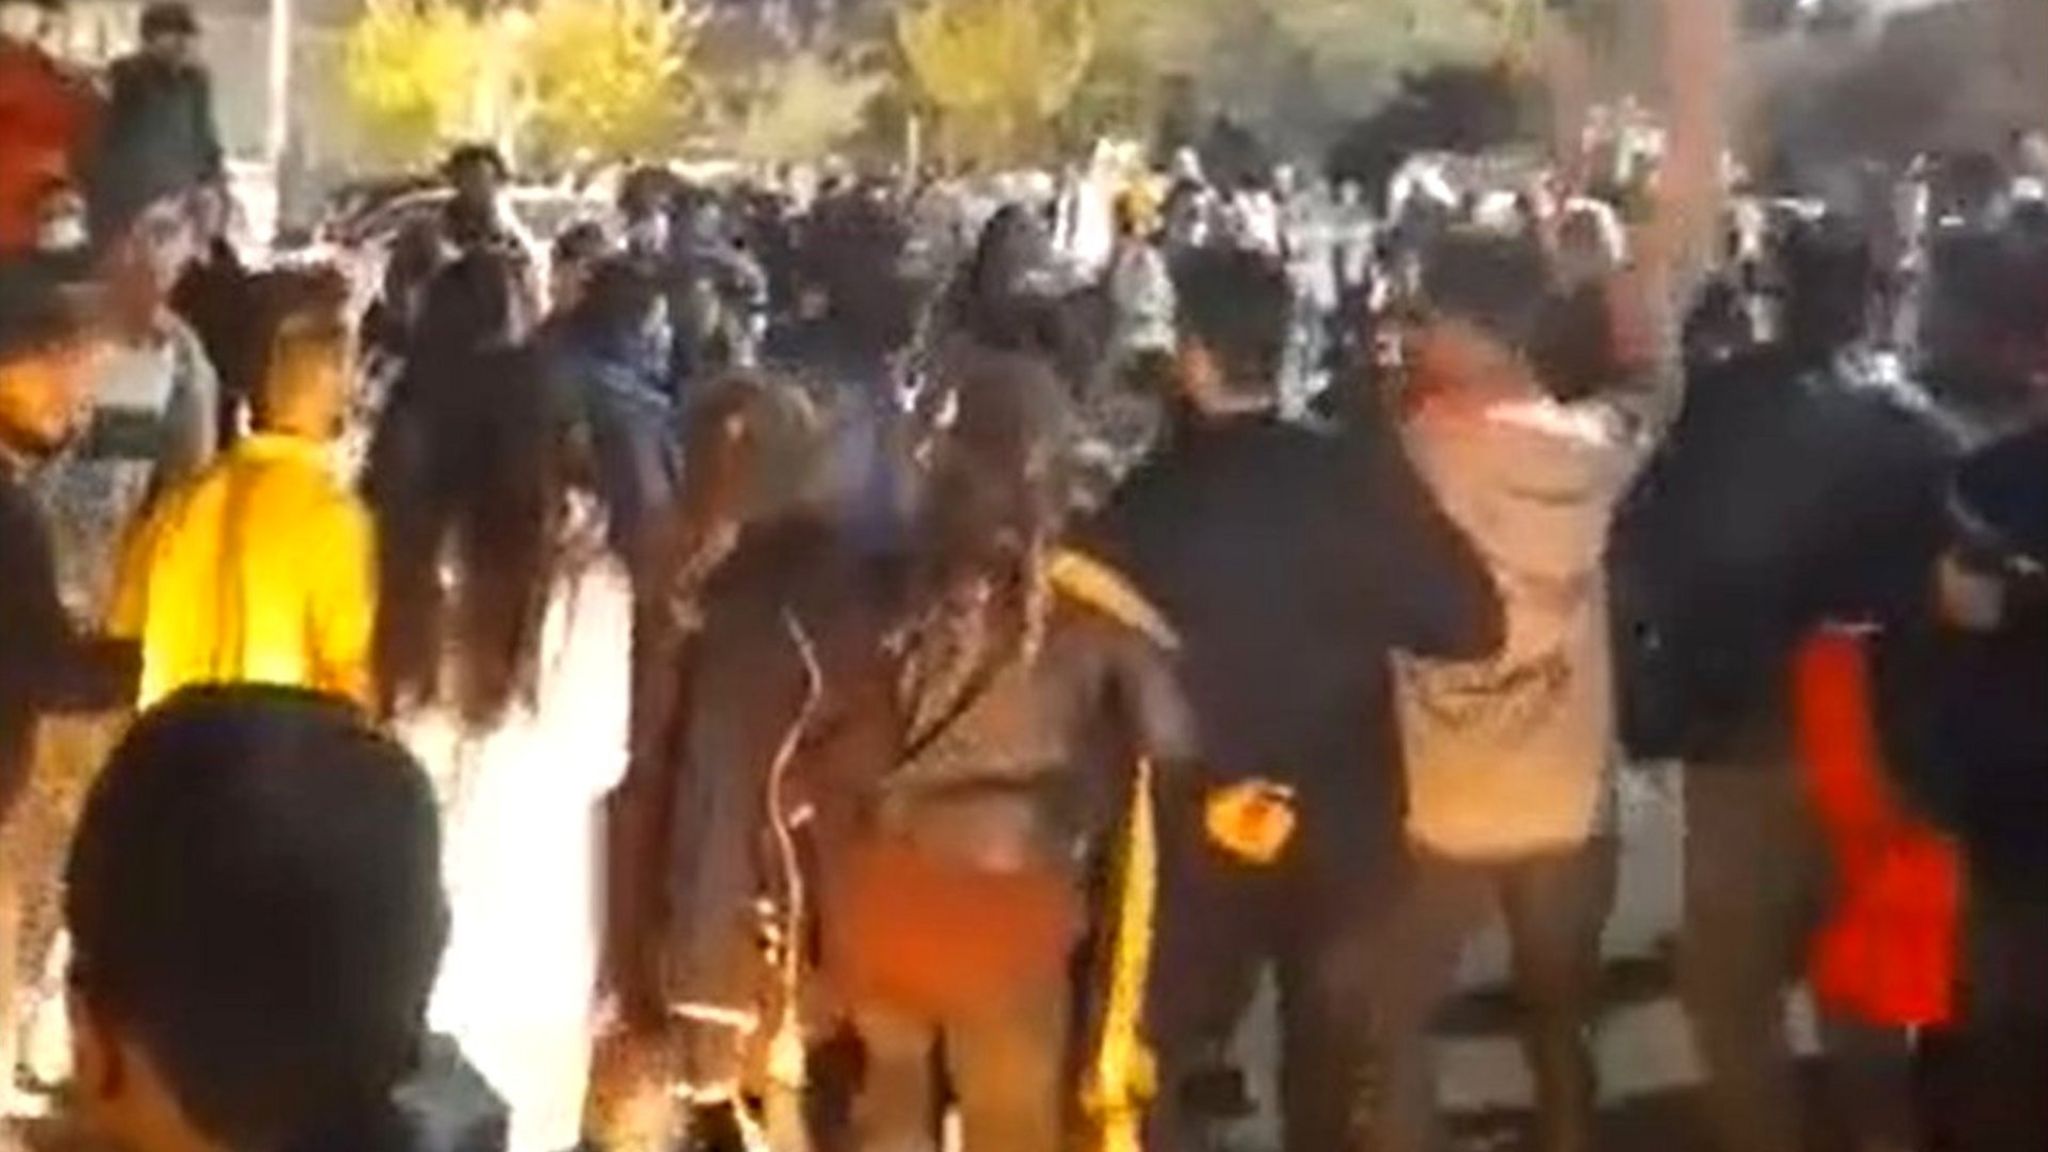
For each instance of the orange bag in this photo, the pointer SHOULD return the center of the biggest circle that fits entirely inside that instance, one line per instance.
(1887, 951)
(934, 939)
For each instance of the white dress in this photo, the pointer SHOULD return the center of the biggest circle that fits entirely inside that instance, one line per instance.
(522, 830)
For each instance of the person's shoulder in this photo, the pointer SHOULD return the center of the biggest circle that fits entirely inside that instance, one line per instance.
(1100, 598)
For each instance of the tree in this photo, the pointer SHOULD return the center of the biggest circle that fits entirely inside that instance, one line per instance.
(410, 71)
(997, 71)
(606, 77)
(800, 108)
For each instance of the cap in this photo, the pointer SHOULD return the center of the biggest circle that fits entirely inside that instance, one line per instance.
(169, 18)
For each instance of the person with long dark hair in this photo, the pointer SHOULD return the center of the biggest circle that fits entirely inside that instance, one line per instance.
(501, 652)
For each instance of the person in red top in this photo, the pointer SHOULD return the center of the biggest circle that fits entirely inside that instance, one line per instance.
(45, 118)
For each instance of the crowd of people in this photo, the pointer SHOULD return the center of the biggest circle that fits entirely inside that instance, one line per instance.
(767, 671)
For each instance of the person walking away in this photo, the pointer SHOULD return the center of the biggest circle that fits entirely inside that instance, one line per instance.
(257, 914)
(1509, 759)
(502, 659)
(155, 397)
(46, 117)
(262, 568)
(1279, 657)
(47, 665)
(159, 129)
(612, 360)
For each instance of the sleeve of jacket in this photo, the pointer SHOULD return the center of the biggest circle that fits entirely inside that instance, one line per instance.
(206, 129)
(44, 659)
(1440, 600)
(344, 600)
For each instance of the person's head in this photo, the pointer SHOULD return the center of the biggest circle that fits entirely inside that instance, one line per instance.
(256, 914)
(470, 532)
(475, 172)
(1482, 298)
(45, 391)
(1827, 273)
(1013, 244)
(1234, 310)
(574, 256)
(307, 372)
(621, 308)
(147, 255)
(997, 474)
(170, 32)
(1133, 217)
(27, 21)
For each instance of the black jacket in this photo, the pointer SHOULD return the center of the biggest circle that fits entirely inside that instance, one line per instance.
(159, 137)
(1291, 562)
(45, 664)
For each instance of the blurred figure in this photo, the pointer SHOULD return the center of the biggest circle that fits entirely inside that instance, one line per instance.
(611, 361)
(155, 420)
(1279, 658)
(159, 129)
(52, 676)
(575, 256)
(502, 652)
(256, 914)
(261, 568)
(45, 117)
(215, 296)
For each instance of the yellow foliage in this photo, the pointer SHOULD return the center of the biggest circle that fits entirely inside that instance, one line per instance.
(801, 108)
(997, 70)
(410, 70)
(607, 76)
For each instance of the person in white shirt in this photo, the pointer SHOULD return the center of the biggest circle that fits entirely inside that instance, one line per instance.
(501, 655)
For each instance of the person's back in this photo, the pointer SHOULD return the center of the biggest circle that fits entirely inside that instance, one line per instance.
(260, 569)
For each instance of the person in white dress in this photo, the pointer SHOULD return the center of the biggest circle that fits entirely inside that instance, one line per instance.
(502, 655)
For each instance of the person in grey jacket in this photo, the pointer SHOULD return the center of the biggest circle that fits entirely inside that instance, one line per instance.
(160, 131)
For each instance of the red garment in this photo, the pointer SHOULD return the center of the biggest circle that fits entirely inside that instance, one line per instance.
(1887, 952)
(44, 120)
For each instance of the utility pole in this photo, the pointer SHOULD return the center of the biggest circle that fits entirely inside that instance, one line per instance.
(278, 107)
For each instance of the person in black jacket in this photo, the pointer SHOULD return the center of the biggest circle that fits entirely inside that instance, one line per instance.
(1291, 562)
(159, 134)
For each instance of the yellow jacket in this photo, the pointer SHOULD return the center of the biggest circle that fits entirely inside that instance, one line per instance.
(261, 569)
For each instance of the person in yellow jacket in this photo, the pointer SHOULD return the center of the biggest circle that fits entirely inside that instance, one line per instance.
(263, 567)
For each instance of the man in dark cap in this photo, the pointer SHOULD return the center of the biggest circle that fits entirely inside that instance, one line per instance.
(160, 138)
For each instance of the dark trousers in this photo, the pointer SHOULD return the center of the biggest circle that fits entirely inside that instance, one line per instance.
(1752, 865)
(2004, 1077)
(1556, 905)
(1006, 1068)
(1308, 914)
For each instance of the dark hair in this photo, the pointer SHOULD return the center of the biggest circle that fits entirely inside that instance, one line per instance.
(254, 895)
(616, 301)
(169, 18)
(1238, 305)
(1492, 281)
(475, 484)
(472, 155)
(1828, 273)
(580, 243)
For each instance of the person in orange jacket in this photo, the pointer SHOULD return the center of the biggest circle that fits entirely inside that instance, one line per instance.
(46, 118)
